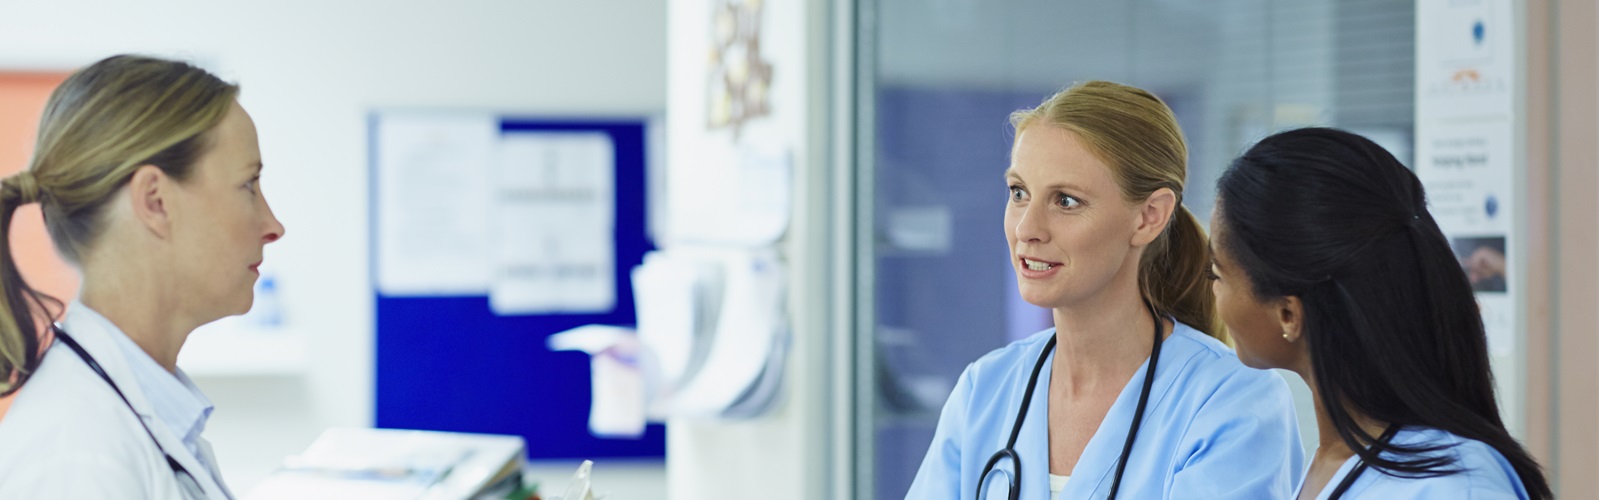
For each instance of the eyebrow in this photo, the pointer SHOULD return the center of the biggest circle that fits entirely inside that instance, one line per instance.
(256, 165)
(1010, 174)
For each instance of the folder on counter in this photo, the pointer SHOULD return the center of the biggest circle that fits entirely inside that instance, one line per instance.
(397, 464)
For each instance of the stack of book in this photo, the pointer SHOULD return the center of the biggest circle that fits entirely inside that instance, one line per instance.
(398, 464)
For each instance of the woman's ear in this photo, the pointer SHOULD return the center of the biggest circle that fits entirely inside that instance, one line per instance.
(148, 192)
(1154, 214)
(1291, 317)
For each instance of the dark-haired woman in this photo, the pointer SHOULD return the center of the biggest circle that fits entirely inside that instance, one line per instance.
(1327, 263)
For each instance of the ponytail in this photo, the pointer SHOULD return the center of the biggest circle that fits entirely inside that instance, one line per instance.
(20, 351)
(1172, 275)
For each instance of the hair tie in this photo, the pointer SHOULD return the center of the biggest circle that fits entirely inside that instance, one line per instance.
(25, 187)
(1413, 222)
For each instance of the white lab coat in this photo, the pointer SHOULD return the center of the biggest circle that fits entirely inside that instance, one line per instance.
(68, 435)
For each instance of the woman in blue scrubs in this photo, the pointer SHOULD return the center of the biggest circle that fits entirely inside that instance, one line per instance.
(1130, 395)
(1328, 264)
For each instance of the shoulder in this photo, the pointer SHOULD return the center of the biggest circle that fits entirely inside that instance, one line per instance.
(1206, 363)
(1000, 374)
(1482, 472)
(1019, 355)
(66, 412)
(1202, 351)
(1214, 394)
(1470, 451)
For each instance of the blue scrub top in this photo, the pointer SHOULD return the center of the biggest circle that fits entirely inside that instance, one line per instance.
(1484, 473)
(1213, 429)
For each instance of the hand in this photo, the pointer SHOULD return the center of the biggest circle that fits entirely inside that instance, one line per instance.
(1483, 264)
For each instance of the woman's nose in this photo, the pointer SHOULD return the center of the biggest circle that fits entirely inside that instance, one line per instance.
(1029, 227)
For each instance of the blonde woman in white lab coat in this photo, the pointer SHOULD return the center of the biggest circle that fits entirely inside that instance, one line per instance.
(147, 173)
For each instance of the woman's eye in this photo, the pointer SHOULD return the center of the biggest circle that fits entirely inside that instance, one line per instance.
(1016, 193)
(1067, 201)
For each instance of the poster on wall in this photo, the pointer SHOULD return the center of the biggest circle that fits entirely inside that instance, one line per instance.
(552, 224)
(432, 194)
(1467, 150)
(464, 209)
(735, 81)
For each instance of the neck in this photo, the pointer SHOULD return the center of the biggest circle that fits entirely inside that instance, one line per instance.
(1102, 340)
(1332, 446)
(139, 301)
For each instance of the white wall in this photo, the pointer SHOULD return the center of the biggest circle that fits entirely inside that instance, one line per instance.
(781, 455)
(311, 72)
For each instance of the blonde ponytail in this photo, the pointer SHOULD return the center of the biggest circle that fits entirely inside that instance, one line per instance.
(19, 331)
(1172, 274)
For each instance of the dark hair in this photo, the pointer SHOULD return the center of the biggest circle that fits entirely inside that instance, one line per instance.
(1394, 332)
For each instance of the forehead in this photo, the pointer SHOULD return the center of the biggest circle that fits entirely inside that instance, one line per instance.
(231, 151)
(1215, 219)
(235, 133)
(1218, 231)
(1049, 154)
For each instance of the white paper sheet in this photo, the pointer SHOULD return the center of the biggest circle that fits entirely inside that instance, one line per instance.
(553, 218)
(432, 192)
(749, 325)
(619, 390)
(712, 340)
(738, 197)
(670, 295)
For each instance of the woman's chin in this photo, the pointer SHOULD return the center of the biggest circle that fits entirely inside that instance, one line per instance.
(241, 305)
(1040, 298)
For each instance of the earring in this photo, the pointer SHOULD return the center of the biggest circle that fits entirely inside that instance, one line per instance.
(1285, 337)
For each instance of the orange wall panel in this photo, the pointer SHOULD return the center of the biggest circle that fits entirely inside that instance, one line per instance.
(22, 98)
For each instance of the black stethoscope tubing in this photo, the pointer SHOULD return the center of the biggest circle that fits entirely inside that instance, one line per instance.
(1009, 451)
(1349, 479)
(177, 468)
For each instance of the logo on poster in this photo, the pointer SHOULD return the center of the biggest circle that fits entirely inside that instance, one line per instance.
(1466, 50)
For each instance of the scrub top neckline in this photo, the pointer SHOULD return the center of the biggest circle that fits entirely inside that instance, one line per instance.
(1326, 489)
(1118, 415)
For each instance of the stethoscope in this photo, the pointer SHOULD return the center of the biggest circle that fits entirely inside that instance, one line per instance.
(1349, 479)
(1009, 451)
(186, 481)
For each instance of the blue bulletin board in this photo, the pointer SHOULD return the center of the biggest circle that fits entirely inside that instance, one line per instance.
(449, 363)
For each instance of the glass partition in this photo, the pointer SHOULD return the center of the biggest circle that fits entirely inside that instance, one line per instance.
(937, 82)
